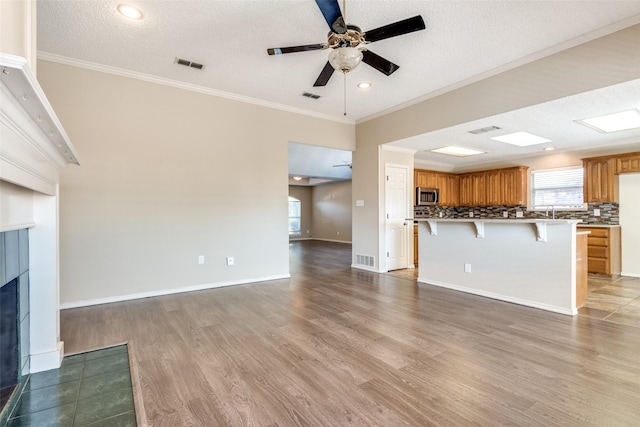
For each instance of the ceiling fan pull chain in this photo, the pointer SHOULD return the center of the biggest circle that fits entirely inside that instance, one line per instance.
(345, 93)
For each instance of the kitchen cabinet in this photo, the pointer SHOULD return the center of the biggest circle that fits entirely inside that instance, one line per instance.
(629, 163)
(472, 189)
(446, 183)
(603, 249)
(514, 186)
(599, 179)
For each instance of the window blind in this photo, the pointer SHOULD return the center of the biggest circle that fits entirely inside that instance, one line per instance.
(561, 188)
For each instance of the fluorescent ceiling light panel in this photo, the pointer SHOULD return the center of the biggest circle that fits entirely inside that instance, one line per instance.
(454, 150)
(521, 139)
(615, 122)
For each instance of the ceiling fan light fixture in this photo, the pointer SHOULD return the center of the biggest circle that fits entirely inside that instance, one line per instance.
(345, 59)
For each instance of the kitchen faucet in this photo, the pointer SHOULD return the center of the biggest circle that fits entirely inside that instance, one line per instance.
(553, 211)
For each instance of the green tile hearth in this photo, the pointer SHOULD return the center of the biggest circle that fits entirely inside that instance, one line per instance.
(90, 389)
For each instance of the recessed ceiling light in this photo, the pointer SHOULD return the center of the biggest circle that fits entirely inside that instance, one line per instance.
(549, 149)
(454, 150)
(297, 178)
(615, 122)
(521, 139)
(364, 85)
(129, 11)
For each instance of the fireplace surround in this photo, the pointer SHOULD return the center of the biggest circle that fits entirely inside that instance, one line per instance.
(14, 312)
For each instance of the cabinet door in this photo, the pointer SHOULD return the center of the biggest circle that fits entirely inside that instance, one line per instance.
(599, 180)
(628, 164)
(451, 184)
(494, 189)
(472, 189)
(466, 190)
(514, 186)
(420, 178)
(479, 189)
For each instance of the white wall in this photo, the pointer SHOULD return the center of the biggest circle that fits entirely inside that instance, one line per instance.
(16, 207)
(630, 223)
(169, 175)
(508, 263)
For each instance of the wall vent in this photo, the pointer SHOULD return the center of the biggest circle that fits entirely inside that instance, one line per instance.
(484, 130)
(188, 63)
(310, 95)
(366, 260)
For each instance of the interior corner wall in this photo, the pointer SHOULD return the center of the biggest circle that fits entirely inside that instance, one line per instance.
(331, 218)
(169, 175)
(303, 193)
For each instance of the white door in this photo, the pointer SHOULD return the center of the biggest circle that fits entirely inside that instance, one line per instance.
(396, 212)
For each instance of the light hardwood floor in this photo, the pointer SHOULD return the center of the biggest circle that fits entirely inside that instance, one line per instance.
(335, 346)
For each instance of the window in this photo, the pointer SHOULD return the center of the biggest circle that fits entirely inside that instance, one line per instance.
(560, 188)
(294, 216)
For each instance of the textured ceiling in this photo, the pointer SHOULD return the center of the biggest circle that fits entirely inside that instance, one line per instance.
(463, 39)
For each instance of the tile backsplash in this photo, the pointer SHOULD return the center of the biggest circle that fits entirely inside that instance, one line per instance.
(609, 212)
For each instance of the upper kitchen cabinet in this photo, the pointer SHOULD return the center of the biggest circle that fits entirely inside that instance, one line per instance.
(449, 187)
(599, 180)
(514, 186)
(472, 189)
(628, 163)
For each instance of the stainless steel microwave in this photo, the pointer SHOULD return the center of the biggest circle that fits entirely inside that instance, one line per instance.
(426, 196)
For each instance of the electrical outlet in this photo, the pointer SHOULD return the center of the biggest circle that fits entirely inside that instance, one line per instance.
(230, 260)
(470, 214)
(467, 268)
(519, 214)
(201, 259)
(337, 233)
(440, 214)
(596, 212)
(505, 214)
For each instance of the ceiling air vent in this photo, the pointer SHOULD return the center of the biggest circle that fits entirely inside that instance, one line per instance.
(484, 130)
(188, 63)
(310, 95)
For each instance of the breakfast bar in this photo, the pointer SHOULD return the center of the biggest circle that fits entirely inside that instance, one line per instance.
(532, 262)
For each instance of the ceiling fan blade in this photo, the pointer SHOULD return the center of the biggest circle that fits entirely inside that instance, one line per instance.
(331, 11)
(379, 63)
(396, 29)
(324, 76)
(292, 49)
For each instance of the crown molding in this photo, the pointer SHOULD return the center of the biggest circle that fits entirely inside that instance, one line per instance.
(64, 60)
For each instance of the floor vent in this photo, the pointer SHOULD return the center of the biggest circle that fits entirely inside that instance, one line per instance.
(188, 63)
(367, 260)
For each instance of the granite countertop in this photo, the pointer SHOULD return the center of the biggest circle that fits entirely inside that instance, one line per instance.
(499, 220)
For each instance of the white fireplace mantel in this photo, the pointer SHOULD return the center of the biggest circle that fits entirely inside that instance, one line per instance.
(34, 147)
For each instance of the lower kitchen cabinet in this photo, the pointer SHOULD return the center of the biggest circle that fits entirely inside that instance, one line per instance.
(604, 250)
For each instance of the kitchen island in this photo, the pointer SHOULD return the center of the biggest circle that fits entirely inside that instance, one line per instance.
(531, 262)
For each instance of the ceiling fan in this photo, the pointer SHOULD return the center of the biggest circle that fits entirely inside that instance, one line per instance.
(345, 164)
(345, 40)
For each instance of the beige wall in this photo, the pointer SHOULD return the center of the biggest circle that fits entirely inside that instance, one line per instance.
(303, 193)
(169, 175)
(326, 210)
(331, 218)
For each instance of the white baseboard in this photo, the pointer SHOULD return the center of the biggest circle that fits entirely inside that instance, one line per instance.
(364, 267)
(514, 300)
(331, 240)
(49, 360)
(120, 298)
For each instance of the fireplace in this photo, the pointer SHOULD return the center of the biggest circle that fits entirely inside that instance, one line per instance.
(14, 312)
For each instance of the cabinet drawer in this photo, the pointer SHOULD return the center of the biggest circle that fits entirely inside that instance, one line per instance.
(598, 252)
(598, 241)
(598, 232)
(598, 265)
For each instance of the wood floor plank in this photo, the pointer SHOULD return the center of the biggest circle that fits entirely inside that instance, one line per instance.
(336, 346)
